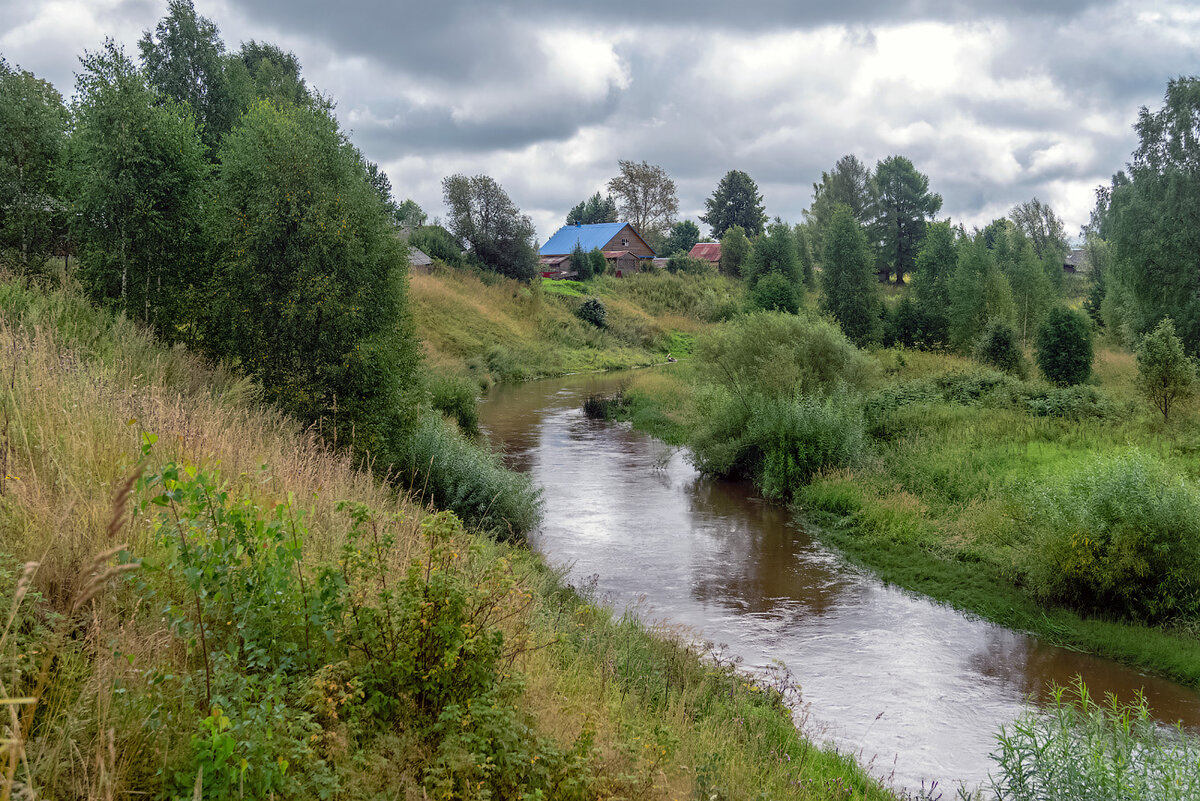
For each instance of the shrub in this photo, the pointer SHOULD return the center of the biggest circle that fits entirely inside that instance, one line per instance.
(1122, 537)
(593, 311)
(681, 262)
(779, 443)
(780, 355)
(1166, 375)
(997, 347)
(437, 243)
(1064, 347)
(773, 292)
(455, 397)
(453, 473)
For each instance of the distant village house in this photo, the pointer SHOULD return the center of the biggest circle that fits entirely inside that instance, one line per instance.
(624, 248)
(709, 252)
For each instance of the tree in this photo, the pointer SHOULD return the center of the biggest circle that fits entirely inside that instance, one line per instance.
(684, 236)
(904, 206)
(735, 201)
(936, 261)
(736, 251)
(804, 253)
(581, 263)
(1031, 290)
(1098, 256)
(1064, 347)
(311, 293)
(33, 124)
(594, 210)
(1153, 220)
(850, 184)
(599, 264)
(646, 197)
(997, 347)
(1044, 228)
(775, 293)
(592, 311)
(979, 293)
(437, 243)
(775, 252)
(490, 226)
(184, 60)
(263, 71)
(1166, 375)
(850, 290)
(135, 173)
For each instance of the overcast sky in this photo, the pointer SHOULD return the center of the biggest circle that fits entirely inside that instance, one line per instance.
(997, 102)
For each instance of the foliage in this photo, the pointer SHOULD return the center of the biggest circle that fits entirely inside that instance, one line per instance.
(485, 220)
(979, 293)
(850, 293)
(311, 294)
(581, 263)
(437, 243)
(1099, 259)
(683, 263)
(903, 207)
(1064, 347)
(735, 201)
(683, 237)
(779, 355)
(997, 347)
(592, 311)
(1151, 218)
(645, 196)
(410, 214)
(1166, 375)
(1044, 229)
(597, 262)
(1083, 748)
(905, 325)
(850, 184)
(804, 252)
(184, 59)
(447, 470)
(264, 71)
(135, 174)
(33, 123)
(936, 261)
(455, 397)
(595, 209)
(773, 292)
(1032, 292)
(775, 252)
(1121, 537)
(778, 442)
(736, 251)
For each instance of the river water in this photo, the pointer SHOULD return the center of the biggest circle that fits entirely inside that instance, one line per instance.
(916, 690)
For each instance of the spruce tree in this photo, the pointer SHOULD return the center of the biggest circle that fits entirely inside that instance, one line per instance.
(1064, 347)
(851, 294)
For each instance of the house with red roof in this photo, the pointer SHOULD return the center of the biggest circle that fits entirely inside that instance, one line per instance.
(709, 252)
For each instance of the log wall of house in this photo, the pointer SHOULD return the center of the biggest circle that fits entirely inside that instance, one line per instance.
(636, 245)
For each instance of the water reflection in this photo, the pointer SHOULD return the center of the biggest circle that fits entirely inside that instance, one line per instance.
(916, 688)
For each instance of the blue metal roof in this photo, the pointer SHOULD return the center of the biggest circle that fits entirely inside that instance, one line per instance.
(588, 236)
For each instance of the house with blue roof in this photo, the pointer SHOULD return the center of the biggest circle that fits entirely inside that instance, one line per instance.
(623, 247)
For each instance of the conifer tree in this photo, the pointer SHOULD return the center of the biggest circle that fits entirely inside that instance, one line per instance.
(936, 261)
(851, 294)
(1064, 347)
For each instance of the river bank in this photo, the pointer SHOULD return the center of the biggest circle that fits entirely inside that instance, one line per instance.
(940, 500)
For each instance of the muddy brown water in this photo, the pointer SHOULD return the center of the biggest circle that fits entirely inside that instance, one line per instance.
(915, 689)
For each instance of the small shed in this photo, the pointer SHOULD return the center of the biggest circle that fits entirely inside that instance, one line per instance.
(707, 251)
(1076, 261)
(621, 262)
(419, 261)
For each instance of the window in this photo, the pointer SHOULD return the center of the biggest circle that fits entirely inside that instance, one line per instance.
(624, 243)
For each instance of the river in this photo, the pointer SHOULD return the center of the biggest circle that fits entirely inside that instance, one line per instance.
(915, 689)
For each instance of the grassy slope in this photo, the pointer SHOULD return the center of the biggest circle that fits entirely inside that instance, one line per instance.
(500, 330)
(81, 389)
(935, 509)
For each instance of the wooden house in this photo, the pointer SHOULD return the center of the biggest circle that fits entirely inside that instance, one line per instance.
(623, 247)
(709, 252)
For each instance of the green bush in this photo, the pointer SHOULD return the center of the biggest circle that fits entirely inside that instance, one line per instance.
(780, 355)
(779, 443)
(451, 472)
(592, 311)
(773, 292)
(682, 263)
(1064, 347)
(997, 347)
(455, 397)
(1122, 538)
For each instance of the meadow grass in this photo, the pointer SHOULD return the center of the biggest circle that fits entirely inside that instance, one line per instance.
(91, 402)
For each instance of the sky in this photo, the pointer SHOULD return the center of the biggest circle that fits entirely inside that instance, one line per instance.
(997, 102)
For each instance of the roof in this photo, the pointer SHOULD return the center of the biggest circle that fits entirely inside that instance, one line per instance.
(417, 257)
(709, 251)
(1077, 257)
(588, 237)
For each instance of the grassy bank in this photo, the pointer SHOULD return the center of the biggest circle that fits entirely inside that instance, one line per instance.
(496, 329)
(207, 602)
(1033, 506)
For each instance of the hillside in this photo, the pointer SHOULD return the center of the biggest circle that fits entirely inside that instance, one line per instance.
(214, 604)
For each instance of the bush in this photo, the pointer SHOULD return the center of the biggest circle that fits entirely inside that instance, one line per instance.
(781, 355)
(437, 243)
(681, 262)
(997, 347)
(1064, 347)
(593, 311)
(779, 443)
(1122, 537)
(1166, 375)
(451, 472)
(455, 397)
(773, 292)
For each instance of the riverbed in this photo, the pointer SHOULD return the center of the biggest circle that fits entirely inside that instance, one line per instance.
(915, 689)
